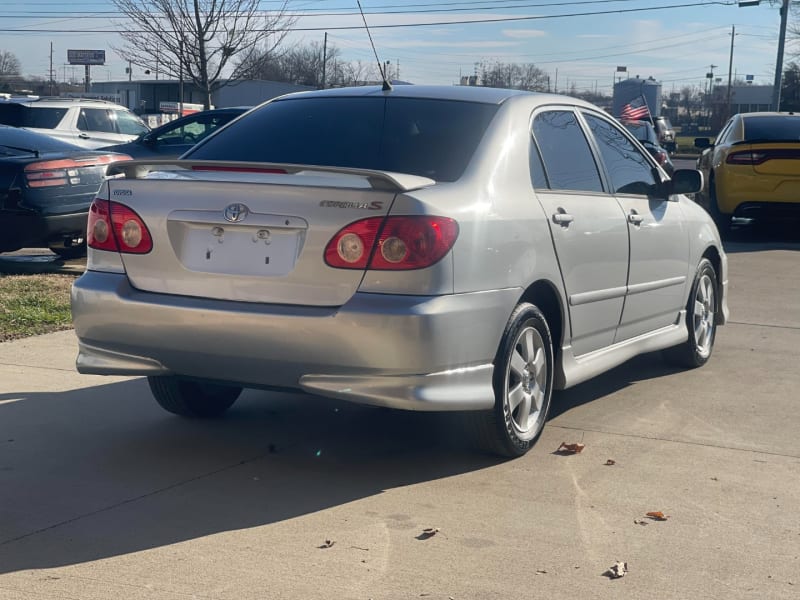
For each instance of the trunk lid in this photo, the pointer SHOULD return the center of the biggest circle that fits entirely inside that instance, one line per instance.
(247, 232)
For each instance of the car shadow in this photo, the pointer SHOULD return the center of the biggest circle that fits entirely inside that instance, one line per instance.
(103, 471)
(759, 237)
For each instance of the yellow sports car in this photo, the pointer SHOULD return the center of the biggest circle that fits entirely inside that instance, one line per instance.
(753, 168)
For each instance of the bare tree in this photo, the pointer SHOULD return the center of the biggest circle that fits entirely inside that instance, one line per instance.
(9, 63)
(516, 76)
(200, 39)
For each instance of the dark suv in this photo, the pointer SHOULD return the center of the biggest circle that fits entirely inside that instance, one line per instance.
(666, 134)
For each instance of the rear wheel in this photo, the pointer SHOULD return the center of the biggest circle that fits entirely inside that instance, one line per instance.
(701, 321)
(523, 385)
(70, 252)
(192, 398)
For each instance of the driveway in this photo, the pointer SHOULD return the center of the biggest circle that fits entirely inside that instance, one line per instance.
(103, 495)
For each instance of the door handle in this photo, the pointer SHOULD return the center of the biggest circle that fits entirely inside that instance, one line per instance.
(635, 218)
(83, 136)
(562, 217)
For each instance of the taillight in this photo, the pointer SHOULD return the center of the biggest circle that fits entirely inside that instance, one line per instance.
(392, 243)
(65, 171)
(234, 169)
(748, 157)
(115, 227)
(661, 157)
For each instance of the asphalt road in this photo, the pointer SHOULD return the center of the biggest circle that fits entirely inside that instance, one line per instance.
(103, 495)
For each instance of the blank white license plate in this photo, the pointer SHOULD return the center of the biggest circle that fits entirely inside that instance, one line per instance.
(238, 250)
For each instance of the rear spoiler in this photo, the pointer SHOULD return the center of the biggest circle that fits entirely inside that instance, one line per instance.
(378, 180)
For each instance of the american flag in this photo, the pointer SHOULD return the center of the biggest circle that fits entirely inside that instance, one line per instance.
(635, 110)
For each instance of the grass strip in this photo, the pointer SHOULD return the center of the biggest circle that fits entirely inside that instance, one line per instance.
(34, 304)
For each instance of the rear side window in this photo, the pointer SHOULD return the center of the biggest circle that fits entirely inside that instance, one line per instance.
(431, 138)
(18, 115)
(774, 128)
(566, 155)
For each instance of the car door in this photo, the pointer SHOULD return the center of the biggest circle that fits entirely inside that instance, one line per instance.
(659, 239)
(97, 128)
(587, 225)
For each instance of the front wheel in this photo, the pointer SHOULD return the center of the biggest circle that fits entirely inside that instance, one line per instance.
(523, 385)
(192, 398)
(701, 321)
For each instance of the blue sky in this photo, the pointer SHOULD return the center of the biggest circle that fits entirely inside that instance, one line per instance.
(674, 45)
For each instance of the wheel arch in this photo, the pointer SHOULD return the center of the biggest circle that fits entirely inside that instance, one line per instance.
(713, 255)
(545, 296)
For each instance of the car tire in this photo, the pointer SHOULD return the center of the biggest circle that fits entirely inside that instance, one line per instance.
(523, 386)
(701, 320)
(68, 253)
(192, 398)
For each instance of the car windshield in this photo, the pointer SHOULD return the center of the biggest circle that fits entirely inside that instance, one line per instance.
(43, 117)
(431, 138)
(776, 127)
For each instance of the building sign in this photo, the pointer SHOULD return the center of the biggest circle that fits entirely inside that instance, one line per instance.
(86, 57)
(173, 107)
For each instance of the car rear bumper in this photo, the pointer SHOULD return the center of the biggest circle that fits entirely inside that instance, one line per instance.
(768, 210)
(31, 230)
(411, 352)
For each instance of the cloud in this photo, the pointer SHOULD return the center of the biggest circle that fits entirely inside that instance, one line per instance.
(524, 33)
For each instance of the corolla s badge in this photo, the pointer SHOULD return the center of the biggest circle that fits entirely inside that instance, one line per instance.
(236, 212)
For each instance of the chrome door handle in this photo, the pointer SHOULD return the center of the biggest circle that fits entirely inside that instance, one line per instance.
(562, 218)
(635, 218)
(83, 136)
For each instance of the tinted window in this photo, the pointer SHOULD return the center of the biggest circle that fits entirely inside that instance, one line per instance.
(96, 119)
(629, 169)
(17, 115)
(432, 138)
(724, 133)
(538, 176)
(565, 152)
(776, 128)
(642, 131)
(127, 123)
(192, 130)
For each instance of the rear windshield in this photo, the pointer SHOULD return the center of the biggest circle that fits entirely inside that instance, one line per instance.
(777, 128)
(18, 115)
(431, 138)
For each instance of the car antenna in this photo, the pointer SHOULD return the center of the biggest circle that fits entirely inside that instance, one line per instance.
(387, 87)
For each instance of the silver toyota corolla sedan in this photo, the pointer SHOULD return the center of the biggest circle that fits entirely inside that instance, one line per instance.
(422, 248)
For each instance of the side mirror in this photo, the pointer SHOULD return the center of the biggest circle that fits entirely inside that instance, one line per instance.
(685, 181)
(702, 142)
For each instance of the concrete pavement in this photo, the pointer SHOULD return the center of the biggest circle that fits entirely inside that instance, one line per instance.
(103, 495)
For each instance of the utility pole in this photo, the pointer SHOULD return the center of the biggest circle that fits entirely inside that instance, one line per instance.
(324, 58)
(776, 90)
(730, 73)
(50, 74)
(709, 92)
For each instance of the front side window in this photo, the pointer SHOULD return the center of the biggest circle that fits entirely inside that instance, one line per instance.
(629, 169)
(96, 119)
(565, 152)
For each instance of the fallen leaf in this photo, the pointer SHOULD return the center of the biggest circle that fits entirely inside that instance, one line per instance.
(657, 515)
(327, 544)
(541, 571)
(616, 571)
(427, 533)
(566, 448)
(640, 522)
(610, 462)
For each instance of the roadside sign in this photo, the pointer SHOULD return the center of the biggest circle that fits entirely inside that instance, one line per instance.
(86, 57)
(174, 107)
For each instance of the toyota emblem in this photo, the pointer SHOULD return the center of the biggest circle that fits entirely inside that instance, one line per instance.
(236, 212)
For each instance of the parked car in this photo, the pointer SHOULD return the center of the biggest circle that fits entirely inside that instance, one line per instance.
(752, 169)
(407, 248)
(666, 134)
(176, 137)
(646, 134)
(83, 122)
(46, 187)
